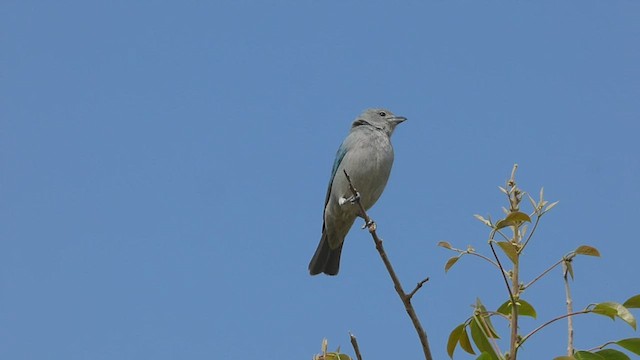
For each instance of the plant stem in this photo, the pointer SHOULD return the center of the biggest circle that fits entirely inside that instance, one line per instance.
(543, 274)
(569, 310)
(515, 286)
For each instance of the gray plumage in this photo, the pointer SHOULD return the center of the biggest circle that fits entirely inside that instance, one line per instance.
(367, 156)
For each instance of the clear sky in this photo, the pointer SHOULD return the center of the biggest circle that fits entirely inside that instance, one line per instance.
(163, 168)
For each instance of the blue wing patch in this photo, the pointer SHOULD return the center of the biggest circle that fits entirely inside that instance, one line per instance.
(342, 151)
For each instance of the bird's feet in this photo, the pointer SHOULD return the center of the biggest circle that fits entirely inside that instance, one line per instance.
(369, 224)
(351, 199)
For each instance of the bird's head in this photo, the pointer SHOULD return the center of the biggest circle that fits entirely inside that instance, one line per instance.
(381, 119)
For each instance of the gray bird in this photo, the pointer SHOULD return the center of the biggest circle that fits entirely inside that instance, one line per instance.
(367, 156)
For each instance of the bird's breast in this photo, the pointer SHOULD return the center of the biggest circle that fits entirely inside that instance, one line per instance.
(368, 164)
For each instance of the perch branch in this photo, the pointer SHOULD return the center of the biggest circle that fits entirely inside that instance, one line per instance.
(406, 298)
(356, 348)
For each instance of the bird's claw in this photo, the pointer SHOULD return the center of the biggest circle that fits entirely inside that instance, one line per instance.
(351, 199)
(368, 224)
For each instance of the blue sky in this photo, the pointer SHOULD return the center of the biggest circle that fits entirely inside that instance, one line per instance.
(164, 165)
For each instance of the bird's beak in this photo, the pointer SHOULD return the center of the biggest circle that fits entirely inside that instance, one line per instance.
(397, 119)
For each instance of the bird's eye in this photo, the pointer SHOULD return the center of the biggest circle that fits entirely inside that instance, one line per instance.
(382, 113)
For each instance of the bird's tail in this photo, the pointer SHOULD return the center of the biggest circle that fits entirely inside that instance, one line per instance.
(325, 260)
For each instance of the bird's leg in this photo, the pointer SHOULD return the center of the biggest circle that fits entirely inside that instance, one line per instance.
(351, 199)
(368, 224)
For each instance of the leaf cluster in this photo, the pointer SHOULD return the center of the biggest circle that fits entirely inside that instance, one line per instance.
(478, 331)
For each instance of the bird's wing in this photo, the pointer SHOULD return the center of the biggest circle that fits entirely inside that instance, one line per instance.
(342, 151)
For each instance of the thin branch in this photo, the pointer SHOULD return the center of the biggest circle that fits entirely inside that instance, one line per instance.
(474, 253)
(356, 348)
(533, 230)
(418, 286)
(495, 313)
(505, 237)
(484, 257)
(543, 273)
(406, 299)
(506, 281)
(551, 322)
(601, 346)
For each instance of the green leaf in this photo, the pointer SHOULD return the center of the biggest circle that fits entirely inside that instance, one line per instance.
(482, 342)
(450, 263)
(454, 339)
(627, 316)
(459, 336)
(564, 358)
(484, 356)
(587, 250)
(518, 216)
(631, 344)
(606, 309)
(611, 354)
(612, 309)
(632, 302)
(510, 250)
(514, 218)
(586, 355)
(445, 245)
(524, 308)
(465, 344)
(505, 308)
(337, 356)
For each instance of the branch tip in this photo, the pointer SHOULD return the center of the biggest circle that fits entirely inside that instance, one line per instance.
(356, 348)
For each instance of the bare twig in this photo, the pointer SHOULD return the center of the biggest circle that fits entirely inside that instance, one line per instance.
(567, 291)
(551, 322)
(356, 348)
(504, 272)
(505, 237)
(601, 346)
(543, 274)
(535, 226)
(418, 286)
(474, 253)
(485, 258)
(406, 299)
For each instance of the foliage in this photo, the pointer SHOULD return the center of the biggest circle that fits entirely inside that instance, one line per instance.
(512, 246)
(336, 355)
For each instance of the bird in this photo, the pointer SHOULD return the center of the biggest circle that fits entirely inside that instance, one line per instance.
(366, 154)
